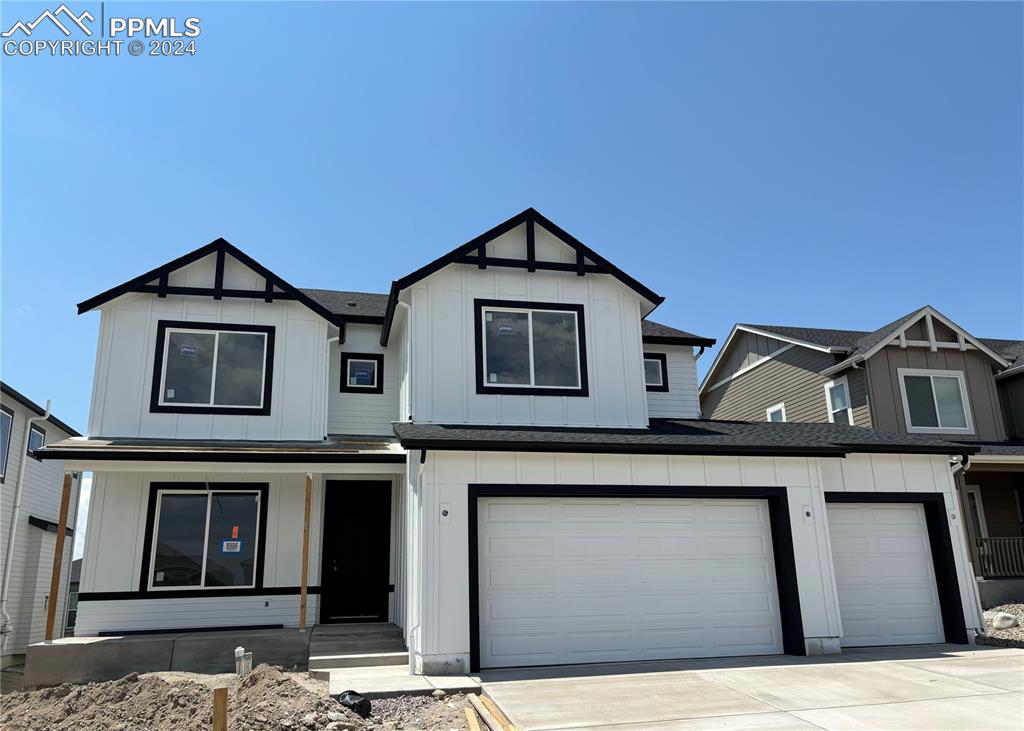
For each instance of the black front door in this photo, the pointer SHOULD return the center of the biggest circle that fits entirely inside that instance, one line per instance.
(354, 584)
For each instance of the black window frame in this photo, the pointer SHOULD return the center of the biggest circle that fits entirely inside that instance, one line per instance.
(10, 438)
(662, 358)
(155, 488)
(158, 366)
(482, 387)
(378, 358)
(34, 429)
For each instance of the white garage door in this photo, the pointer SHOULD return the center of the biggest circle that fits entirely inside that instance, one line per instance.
(884, 573)
(574, 580)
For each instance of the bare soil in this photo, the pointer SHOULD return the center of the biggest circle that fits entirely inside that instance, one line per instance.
(268, 698)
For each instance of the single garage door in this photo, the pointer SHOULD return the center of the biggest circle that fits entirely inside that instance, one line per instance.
(884, 574)
(573, 580)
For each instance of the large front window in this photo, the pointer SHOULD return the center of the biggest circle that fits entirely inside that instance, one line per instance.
(205, 539)
(935, 401)
(213, 368)
(530, 349)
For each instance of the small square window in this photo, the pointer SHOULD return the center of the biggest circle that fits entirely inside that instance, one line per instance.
(776, 413)
(655, 371)
(362, 372)
(837, 401)
(934, 401)
(36, 439)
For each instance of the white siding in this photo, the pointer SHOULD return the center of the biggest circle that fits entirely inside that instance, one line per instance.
(363, 413)
(125, 362)
(443, 342)
(28, 594)
(680, 401)
(439, 601)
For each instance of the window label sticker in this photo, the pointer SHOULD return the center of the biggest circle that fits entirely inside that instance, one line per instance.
(492, 377)
(190, 351)
(231, 546)
(234, 531)
(170, 393)
(159, 576)
(506, 328)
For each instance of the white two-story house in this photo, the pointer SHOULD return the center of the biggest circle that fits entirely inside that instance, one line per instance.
(503, 456)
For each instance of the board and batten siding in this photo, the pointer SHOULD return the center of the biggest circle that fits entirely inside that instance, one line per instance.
(350, 412)
(680, 401)
(792, 377)
(439, 562)
(745, 349)
(29, 589)
(887, 401)
(444, 337)
(123, 379)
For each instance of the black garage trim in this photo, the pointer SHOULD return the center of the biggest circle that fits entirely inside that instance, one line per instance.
(117, 596)
(778, 518)
(187, 630)
(948, 587)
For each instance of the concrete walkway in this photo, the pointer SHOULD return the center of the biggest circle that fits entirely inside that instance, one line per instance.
(929, 687)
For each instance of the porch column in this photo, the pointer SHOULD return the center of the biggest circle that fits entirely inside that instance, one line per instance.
(305, 551)
(58, 556)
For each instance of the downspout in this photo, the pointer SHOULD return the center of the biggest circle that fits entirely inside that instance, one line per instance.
(327, 380)
(5, 628)
(959, 469)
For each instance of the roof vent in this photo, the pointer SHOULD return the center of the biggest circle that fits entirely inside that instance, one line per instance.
(351, 304)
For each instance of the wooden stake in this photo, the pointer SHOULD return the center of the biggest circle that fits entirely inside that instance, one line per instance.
(471, 721)
(496, 712)
(58, 557)
(305, 551)
(220, 709)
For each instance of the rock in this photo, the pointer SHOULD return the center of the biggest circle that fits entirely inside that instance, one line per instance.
(335, 716)
(309, 720)
(336, 726)
(439, 694)
(1003, 620)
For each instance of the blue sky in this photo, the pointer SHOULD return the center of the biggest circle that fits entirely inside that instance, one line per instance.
(823, 165)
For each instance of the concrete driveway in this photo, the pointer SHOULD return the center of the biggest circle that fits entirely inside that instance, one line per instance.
(924, 687)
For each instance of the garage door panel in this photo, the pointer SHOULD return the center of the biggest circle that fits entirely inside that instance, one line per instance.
(518, 512)
(885, 577)
(666, 589)
(518, 546)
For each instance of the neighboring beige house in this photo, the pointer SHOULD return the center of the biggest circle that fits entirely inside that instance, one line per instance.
(922, 374)
(23, 429)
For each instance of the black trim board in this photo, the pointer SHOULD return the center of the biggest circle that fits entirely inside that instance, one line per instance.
(35, 408)
(478, 350)
(778, 516)
(663, 359)
(939, 538)
(263, 457)
(377, 358)
(531, 217)
(678, 340)
(158, 365)
(48, 525)
(220, 247)
(187, 630)
(262, 488)
(112, 596)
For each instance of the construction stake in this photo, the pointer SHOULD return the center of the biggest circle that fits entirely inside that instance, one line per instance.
(220, 709)
(471, 721)
(305, 552)
(58, 557)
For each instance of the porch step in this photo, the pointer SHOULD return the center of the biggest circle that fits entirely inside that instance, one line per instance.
(320, 666)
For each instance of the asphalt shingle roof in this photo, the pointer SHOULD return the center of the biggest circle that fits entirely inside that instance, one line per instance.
(678, 436)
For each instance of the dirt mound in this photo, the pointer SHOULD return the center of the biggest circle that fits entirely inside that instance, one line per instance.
(267, 699)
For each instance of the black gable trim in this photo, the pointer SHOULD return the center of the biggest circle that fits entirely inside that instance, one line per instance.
(474, 246)
(220, 247)
(48, 525)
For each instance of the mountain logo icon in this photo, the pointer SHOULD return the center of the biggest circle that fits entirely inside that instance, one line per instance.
(55, 18)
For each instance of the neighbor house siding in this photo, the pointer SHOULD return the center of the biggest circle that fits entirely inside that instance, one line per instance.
(350, 412)
(1011, 398)
(680, 401)
(792, 377)
(745, 349)
(887, 401)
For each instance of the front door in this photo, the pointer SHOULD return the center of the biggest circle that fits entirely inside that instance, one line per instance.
(354, 584)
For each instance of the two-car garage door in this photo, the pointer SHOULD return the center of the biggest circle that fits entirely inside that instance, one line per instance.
(570, 580)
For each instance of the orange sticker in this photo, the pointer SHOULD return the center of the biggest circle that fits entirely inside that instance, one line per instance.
(234, 531)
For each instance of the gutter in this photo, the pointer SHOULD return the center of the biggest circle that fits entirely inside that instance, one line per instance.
(5, 628)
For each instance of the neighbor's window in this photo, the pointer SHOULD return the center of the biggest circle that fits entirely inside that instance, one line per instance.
(776, 413)
(205, 539)
(36, 439)
(934, 401)
(535, 349)
(362, 372)
(655, 366)
(214, 368)
(837, 401)
(6, 427)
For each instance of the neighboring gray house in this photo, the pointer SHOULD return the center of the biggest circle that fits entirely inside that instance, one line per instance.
(922, 373)
(25, 427)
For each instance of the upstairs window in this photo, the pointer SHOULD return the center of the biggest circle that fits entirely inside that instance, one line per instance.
(530, 349)
(6, 428)
(362, 372)
(655, 371)
(776, 413)
(935, 401)
(36, 439)
(213, 368)
(837, 401)
(205, 538)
